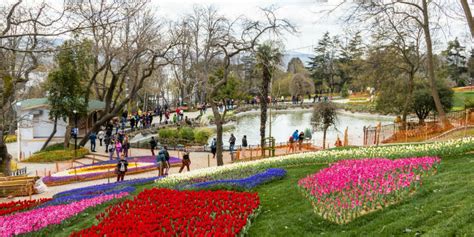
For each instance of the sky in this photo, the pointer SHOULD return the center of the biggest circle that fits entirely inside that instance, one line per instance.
(311, 17)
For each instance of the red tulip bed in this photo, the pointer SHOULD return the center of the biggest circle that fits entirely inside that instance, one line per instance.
(351, 188)
(165, 212)
(17, 206)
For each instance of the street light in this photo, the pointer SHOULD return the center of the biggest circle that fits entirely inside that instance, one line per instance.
(76, 131)
(18, 135)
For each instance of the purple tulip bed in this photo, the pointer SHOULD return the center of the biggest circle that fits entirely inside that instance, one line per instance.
(61, 180)
(247, 183)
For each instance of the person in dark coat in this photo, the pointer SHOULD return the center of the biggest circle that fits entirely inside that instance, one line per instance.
(122, 166)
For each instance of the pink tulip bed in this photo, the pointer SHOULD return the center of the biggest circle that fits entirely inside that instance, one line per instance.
(33, 220)
(351, 188)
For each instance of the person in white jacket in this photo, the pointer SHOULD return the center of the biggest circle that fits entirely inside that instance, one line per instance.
(101, 136)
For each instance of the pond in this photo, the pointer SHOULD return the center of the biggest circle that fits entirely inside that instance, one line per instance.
(284, 123)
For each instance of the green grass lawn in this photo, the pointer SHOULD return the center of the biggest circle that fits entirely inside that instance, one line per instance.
(57, 152)
(459, 97)
(444, 206)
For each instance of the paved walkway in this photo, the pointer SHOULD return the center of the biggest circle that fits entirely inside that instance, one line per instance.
(199, 160)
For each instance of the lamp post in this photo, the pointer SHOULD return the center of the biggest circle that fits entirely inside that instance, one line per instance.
(76, 131)
(18, 135)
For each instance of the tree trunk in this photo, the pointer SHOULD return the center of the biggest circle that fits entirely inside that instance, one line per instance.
(67, 136)
(264, 105)
(324, 138)
(52, 134)
(468, 13)
(4, 156)
(406, 106)
(219, 120)
(430, 64)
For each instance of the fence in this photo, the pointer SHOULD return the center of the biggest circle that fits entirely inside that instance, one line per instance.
(413, 130)
(18, 172)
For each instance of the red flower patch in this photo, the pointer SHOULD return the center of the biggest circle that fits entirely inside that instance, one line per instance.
(15, 206)
(164, 212)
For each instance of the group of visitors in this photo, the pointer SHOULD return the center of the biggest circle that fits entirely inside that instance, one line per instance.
(232, 141)
(139, 120)
(117, 143)
(296, 137)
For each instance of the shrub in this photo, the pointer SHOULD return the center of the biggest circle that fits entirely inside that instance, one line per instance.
(167, 133)
(186, 133)
(57, 155)
(10, 139)
(201, 136)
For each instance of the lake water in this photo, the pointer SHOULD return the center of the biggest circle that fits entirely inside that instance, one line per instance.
(284, 123)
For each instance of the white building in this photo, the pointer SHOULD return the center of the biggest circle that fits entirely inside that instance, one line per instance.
(35, 127)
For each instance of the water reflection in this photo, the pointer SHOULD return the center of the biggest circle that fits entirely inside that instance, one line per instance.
(285, 123)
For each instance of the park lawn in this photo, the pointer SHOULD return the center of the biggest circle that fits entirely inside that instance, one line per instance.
(55, 153)
(444, 206)
(459, 98)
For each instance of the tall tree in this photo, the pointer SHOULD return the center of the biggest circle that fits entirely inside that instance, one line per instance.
(415, 12)
(268, 57)
(64, 85)
(241, 35)
(27, 30)
(126, 52)
(456, 62)
(323, 65)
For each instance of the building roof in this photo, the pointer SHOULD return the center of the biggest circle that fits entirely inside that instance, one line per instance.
(43, 102)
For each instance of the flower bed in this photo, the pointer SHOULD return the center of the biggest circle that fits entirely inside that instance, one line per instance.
(448, 148)
(351, 188)
(36, 219)
(97, 190)
(164, 212)
(16, 206)
(240, 184)
(104, 169)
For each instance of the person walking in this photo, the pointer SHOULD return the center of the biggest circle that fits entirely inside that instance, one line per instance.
(160, 113)
(107, 141)
(100, 136)
(122, 166)
(125, 146)
(153, 145)
(244, 145)
(164, 158)
(132, 122)
(118, 148)
(300, 140)
(296, 135)
(213, 148)
(291, 144)
(111, 150)
(231, 142)
(92, 138)
(186, 162)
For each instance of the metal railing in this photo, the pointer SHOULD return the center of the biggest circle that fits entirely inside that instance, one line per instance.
(18, 172)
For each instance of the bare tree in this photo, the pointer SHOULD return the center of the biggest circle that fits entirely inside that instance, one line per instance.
(405, 38)
(415, 12)
(27, 32)
(127, 51)
(241, 36)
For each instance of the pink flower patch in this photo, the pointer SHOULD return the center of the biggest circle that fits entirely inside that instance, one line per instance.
(351, 188)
